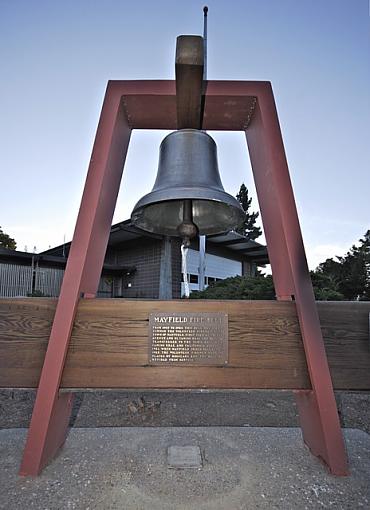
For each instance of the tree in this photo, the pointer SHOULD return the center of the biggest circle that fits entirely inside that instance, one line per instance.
(6, 241)
(248, 228)
(355, 271)
(239, 287)
(324, 285)
(349, 276)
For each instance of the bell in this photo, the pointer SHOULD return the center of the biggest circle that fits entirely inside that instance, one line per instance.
(188, 197)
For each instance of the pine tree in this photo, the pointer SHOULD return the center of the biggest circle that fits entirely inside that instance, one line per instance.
(248, 228)
(355, 271)
(6, 241)
(349, 275)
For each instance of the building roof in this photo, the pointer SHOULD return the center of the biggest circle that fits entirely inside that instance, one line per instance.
(44, 259)
(239, 244)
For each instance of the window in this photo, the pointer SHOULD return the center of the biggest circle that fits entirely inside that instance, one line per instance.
(192, 278)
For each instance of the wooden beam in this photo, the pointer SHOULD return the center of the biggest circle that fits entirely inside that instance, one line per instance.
(109, 345)
(189, 69)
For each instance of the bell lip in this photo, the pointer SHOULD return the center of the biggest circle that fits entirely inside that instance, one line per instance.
(188, 130)
(214, 232)
(136, 218)
(185, 193)
(173, 233)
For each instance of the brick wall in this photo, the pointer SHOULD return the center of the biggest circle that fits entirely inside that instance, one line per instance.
(145, 256)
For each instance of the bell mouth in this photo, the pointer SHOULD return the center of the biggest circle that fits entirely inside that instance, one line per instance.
(165, 217)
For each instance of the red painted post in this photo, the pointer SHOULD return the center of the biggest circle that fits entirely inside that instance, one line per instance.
(317, 407)
(51, 412)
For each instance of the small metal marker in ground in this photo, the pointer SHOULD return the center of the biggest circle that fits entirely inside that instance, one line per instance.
(184, 457)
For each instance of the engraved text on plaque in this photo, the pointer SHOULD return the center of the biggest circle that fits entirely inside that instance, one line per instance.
(188, 338)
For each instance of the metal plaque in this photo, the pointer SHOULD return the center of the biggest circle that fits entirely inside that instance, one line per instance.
(188, 338)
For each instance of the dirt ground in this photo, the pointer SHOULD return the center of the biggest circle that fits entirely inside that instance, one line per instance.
(127, 468)
(256, 408)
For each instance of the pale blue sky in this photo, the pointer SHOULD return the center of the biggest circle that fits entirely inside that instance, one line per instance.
(56, 57)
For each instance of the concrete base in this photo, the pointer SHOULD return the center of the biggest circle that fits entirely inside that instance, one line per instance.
(243, 468)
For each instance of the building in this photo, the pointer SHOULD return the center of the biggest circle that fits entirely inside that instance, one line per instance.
(137, 265)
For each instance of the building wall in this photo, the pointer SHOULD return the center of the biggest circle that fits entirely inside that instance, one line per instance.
(15, 280)
(216, 268)
(48, 280)
(19, 280)
(146, 257)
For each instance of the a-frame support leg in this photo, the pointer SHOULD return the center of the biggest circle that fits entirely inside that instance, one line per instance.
(317, 407)
(51, 412)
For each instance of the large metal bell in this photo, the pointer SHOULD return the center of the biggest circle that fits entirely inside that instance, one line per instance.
(188, 190)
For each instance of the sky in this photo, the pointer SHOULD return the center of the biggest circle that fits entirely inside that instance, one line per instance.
(57, 56)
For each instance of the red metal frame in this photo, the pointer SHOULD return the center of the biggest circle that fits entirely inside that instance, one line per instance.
(230, 105)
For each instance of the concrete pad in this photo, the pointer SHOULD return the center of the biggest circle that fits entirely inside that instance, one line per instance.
(126, 468)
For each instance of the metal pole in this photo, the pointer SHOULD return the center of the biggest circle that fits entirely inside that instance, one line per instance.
(202, 239)
(202, 261)
(205, 12)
